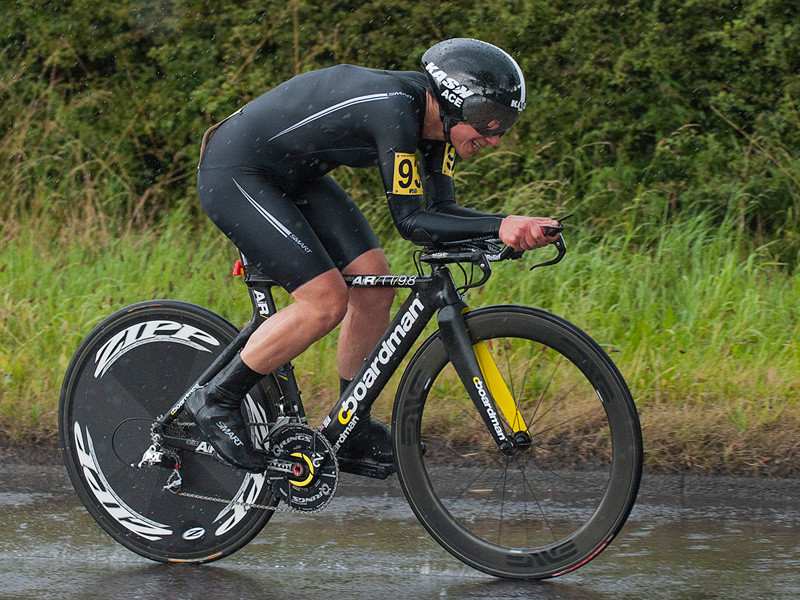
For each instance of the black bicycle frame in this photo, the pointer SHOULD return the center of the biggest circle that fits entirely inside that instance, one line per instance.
(428, 294)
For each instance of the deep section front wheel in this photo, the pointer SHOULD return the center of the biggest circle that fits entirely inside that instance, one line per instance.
(128, 371)
(552, 506)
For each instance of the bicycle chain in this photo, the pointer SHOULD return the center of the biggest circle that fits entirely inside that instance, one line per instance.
(280, 507)
(277, 508)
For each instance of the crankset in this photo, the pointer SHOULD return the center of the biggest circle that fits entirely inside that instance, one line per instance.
(307, 489)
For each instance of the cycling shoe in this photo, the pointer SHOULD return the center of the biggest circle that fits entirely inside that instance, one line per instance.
(216, 408)
(222, 424)
(370, 440)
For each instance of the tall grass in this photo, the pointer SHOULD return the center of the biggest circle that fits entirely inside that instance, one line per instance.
(703, 327)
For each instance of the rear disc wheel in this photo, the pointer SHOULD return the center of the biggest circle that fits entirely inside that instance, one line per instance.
(129, 371)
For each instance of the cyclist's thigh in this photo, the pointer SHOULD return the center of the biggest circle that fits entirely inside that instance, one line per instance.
(338, 222)
(264, 223)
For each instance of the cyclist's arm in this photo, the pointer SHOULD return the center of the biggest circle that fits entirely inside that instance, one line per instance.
(423, 226)
(444, 221)
(438, 165)
(521, 233)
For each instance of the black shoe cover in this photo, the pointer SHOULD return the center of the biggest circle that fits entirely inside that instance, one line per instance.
(225, 429)
(370, 440)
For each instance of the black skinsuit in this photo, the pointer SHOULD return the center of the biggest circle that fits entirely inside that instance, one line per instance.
(264, 177)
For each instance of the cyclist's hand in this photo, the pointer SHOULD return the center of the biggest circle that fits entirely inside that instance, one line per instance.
(525, 233)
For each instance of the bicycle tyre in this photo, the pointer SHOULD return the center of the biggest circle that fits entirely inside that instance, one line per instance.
(127, 372)
(546, 510)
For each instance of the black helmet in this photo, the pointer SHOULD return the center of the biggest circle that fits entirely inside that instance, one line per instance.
(475, 82)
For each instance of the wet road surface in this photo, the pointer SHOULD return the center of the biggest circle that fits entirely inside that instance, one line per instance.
(690, 538)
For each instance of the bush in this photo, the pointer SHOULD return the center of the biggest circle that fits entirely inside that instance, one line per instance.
(635, 107)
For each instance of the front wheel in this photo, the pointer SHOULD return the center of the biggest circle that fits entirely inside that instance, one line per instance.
(547, 509)
(129, 371)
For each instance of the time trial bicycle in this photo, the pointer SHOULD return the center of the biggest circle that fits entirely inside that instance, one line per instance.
(516, 440)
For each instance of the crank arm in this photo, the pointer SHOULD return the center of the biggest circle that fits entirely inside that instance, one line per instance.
(288, 467)
(297, 467)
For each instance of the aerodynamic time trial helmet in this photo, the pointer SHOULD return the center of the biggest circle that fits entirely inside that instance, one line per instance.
(475, 82)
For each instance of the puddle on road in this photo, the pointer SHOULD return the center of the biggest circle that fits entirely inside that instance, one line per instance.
(367, 544)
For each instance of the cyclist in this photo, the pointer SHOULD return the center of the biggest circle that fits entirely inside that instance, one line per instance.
(263, 180)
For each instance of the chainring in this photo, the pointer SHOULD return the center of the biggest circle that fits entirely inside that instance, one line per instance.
(312, 490)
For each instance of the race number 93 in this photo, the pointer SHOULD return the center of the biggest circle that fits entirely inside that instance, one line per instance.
(406, 179)
(449, 162)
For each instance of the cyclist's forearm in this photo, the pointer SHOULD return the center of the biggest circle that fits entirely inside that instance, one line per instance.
(425, 227)
(450, 207)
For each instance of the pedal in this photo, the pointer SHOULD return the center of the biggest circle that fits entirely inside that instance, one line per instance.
(366, 468)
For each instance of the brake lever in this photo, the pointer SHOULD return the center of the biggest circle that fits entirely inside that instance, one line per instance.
(561, 246)
(508, 253)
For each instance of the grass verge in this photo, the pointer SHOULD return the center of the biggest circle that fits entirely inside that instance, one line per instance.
(703, 327)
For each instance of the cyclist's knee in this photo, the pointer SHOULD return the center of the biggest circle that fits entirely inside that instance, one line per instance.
(371, 299)
(333, 310)
(323, 301)
(372, 262)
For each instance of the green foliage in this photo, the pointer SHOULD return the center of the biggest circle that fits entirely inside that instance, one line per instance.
(634, 106)
(671, 127)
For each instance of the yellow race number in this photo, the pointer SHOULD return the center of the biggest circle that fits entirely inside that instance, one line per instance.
(406, 179)
(449, 163)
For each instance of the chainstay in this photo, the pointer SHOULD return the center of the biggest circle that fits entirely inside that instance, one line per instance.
(280, 507)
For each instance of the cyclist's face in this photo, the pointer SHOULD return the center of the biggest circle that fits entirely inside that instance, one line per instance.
(469, 142)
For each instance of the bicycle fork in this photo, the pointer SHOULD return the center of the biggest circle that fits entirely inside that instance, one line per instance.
(482, 380)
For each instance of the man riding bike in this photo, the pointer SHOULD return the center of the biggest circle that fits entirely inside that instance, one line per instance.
(263, 180)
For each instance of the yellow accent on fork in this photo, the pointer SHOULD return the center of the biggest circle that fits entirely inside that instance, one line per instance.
(498, 388)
